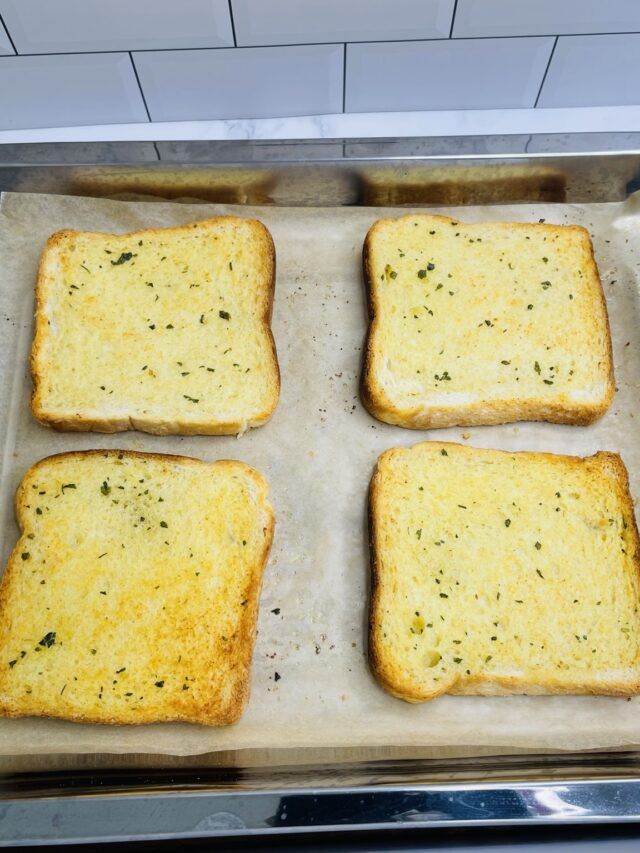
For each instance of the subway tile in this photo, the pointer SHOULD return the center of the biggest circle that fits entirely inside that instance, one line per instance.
(588, 71)
(272, 22)
(5, 44)
(70, 26)
(481, 18)
(445, 75)
(56, 91)
(258, 82)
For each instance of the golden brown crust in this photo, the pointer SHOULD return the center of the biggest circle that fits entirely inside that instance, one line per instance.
(561, 410)
(214, 713)
(388, 674)
(80, 423)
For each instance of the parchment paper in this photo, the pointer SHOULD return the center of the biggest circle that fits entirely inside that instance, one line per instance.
(318, 453)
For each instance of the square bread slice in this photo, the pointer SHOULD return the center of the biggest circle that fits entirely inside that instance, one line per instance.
(165, 330)
(483, 324)
(498, 572)
(132, 593)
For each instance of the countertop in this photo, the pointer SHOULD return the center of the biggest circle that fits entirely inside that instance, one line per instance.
(354, 125)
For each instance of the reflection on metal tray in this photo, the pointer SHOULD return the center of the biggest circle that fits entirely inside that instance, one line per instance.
(441, 170)
(310, 792)
(203, 804)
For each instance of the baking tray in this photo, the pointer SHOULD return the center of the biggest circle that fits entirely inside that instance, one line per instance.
(123, 798)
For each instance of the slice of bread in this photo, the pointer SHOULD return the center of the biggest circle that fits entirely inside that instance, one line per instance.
(483, 324)
(497, 572)
(165, 331)
(132, 593)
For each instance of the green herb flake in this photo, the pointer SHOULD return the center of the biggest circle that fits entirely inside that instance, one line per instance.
(68, 486)
(443, 452)
(159, 683)
(419, 533)
(538, 546)
(105, 488)
(25, 555)
(48, 640)
(163, 524)
(536, 367)
(507, 522)
(224, 315)
(538, 572)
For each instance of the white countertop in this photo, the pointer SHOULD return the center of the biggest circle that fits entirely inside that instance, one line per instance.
(354, 125)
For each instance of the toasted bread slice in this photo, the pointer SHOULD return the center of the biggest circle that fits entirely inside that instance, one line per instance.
(132, 593)
(484, 324)
(498, 572)
(165, 331)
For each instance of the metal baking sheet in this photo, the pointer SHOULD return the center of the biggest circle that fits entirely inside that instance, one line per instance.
(318, 453)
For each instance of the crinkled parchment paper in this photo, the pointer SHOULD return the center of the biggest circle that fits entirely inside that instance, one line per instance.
(318, 453)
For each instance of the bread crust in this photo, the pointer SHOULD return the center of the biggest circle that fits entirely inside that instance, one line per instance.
(74, 422)
(213, 713)
(389, 675)
(560, 410)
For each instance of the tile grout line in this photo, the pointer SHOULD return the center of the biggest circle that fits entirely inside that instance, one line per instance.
(320, 43)
(233, 25)
(135, 71)
(453, 18)
(344, 79)
(546, 71)
(6, 29)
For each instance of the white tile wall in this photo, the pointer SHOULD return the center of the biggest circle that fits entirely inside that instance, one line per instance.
(5, 44)
(227, 59)
(445, 75)
(252, 82)
(309, 21)
(70, 26)
(593, 71)
(478, 18)
(57, 91)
